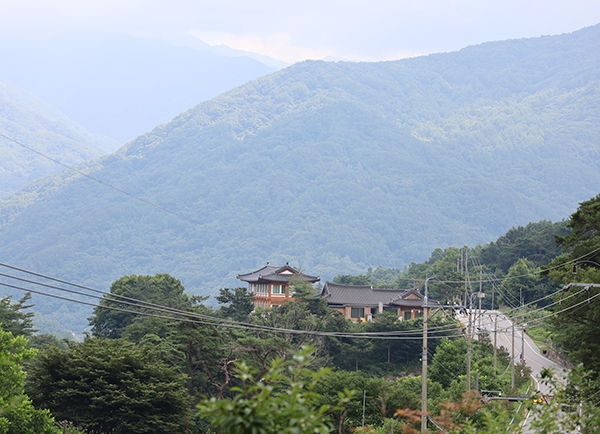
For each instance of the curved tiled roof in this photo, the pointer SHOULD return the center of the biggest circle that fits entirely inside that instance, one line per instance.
(270, 273)
(366, 295)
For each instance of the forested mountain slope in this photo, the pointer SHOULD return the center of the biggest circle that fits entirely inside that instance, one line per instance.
(32, 122)
(331, 166)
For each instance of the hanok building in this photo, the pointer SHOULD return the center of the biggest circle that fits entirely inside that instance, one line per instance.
(363, 302)
(271, 285)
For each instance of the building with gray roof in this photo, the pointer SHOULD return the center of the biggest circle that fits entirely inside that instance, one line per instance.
(363, 302)
(271, 284)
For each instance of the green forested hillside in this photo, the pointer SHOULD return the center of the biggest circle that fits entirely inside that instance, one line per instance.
(334, 167)
(34, 123)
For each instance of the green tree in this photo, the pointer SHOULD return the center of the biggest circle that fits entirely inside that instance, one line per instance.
(390, 355)
(442, 264)
(160, 289)
(283, 401)
(295, 315)
(580, 247)
(334, 383)
(449, 364)
(349, 279)
(237, 303)
(17, 414)
(14, 318)
(577, 324)
(206, 354)
(449, 361)
(523, 283)
(534, 242)
(109, 386)
(44, 340)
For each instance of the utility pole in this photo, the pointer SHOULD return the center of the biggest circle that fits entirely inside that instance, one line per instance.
(522, 328)
(469, 312)
(469, 350)
(493, 287)
(464, 271)
(523, 344)
(495, 330)
(424, 359)
(479, 295)
(364, 402)
(512, 361)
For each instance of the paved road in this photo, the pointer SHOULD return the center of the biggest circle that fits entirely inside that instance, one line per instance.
(491, 320)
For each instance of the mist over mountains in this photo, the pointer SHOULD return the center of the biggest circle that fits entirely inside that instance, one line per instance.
(333, 167)
(34, 123)
(122, 86)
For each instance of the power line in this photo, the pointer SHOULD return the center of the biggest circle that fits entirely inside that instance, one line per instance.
(586, 301)
(133, 301)
(155, 205)
(209, 320)
(533, 273)
(196, 222)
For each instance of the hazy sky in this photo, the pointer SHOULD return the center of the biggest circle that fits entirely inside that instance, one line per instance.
(309, 29)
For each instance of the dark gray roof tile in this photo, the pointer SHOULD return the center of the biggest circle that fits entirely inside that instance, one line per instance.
(365, 295)
(270, 273)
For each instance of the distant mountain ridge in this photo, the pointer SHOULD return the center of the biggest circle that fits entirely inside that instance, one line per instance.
(31, 121)
(190, 41)
(333, 167)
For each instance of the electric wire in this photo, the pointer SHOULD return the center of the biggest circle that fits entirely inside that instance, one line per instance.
(532, 312)
(147, 305)
(475, 260)
(204, 319)
(528, 314)
(533, 273)
(543, 298)
(196, 222)
(542, 319)
(226, 324)
(586, 301)
(167, 210)
(455, 375)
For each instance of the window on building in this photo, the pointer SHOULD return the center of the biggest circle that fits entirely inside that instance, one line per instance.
(278, 289)
(357, 312)
(407, 314)
(418, 314)
(262, 289)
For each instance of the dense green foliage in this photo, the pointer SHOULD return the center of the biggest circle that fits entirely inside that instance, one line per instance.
(152, 291)
(208, 355)
(237, 303)
(580, 262)
(535, 242)
(280, 400)
(17, 414)
(341, 165)
(97, 384)
(518, 255)
(13, 317)
(109, 386)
